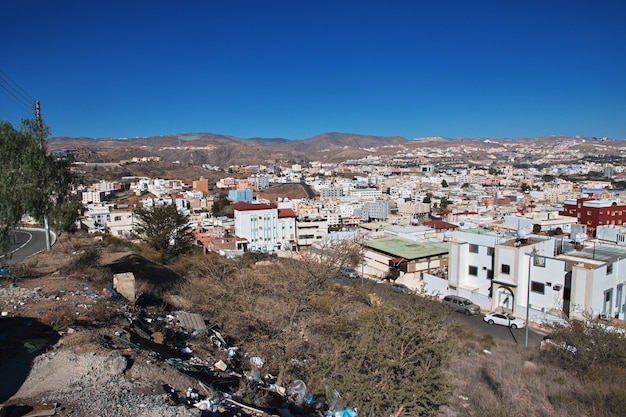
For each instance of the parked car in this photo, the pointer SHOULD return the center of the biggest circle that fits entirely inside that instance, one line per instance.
(504, 319)
(462, 305)
(401, 289)
(346, 271)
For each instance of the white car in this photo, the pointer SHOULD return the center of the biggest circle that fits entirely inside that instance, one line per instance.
(504, 319)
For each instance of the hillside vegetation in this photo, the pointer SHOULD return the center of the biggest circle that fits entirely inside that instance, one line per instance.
(361, 348)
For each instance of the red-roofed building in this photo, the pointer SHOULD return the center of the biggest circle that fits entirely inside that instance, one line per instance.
(440, 225)
(265, 226)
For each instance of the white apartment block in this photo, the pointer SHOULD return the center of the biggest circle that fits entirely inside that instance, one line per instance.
(121, 223)
(265, 226)
(366, 194)
(542, 277)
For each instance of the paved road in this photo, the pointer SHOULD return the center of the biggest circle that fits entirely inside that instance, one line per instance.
(27, 243)
(479, 327)
(475, 323)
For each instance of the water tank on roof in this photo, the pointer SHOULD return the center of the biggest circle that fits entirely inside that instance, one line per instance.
(522, 234)
(579, 237)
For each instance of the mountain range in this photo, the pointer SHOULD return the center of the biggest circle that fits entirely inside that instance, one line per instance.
(223, 151)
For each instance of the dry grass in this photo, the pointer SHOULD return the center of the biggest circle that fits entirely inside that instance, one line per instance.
(512, 381)
(81, 341)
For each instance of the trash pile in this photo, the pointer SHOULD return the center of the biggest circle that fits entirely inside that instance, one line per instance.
(180, 340)
(220, 374)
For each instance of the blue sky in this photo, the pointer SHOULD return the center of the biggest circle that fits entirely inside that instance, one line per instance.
(294, 69)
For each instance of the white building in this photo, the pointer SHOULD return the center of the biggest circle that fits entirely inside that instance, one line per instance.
(541, 277)
(265, 226)
(121, 223)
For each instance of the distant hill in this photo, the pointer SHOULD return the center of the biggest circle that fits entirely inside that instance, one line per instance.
(223, 151)
(333, 147)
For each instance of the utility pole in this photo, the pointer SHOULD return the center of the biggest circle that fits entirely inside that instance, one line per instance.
(46, 223)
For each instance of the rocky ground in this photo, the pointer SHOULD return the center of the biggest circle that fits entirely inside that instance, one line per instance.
(71, 346)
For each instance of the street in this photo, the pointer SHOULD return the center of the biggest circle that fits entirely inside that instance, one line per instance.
(27, 243)
(475, 323)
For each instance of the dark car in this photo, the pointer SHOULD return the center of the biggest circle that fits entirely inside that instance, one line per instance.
(400, 289)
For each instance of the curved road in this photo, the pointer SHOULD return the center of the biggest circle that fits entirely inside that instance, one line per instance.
(27, 243)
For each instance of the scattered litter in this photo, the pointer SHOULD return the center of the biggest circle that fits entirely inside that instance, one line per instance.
(221, 365)
(191, 321)
(297, 390)
(124, 284)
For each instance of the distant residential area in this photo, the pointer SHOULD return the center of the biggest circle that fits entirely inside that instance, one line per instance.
(544, 240)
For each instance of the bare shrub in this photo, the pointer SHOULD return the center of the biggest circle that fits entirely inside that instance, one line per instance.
(83, 259)
(81, 341)
(60, 318)
(114, 243)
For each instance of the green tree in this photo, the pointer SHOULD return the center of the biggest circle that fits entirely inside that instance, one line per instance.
(391, 363)
(164, 229)
(220, 201)
(32, 182)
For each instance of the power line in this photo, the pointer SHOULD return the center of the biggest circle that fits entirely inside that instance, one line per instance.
(10, 95)
(13, 91)
(17, 87)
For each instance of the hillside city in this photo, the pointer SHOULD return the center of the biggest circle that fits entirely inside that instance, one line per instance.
(340, 275)
(535, 230)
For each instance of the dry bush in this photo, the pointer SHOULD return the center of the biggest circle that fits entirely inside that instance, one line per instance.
(60, 317)
(81, 341)
(83, 259)
(115, 244)
(146, 251)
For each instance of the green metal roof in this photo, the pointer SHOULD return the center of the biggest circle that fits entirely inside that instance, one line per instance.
(406, 248)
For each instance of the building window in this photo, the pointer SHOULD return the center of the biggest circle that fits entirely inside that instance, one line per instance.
(489, 251)
(539, 261)
(490, 274)
(609, 269)
(505, 269)
(473, 248)
(473, 270)
(538, 287)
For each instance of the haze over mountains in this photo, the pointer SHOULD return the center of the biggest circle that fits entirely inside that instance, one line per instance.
(223, 150)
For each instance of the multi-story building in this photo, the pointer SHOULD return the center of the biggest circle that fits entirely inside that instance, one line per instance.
(243, 194)
(415, 212)
(311, 229)
(377, 210)
(265, 226)
(332, 191)
(539, 277)
(593, 213)
(201, 185)
(121, 223)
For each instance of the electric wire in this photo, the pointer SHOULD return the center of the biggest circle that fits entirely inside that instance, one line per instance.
(13, 91)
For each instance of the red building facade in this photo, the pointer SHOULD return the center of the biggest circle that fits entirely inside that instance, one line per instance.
(594, 213)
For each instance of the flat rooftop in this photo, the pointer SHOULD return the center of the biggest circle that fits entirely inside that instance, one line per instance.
(406, 248)
(595, 251)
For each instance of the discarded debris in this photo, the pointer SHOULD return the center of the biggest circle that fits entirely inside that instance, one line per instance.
(124, 284)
